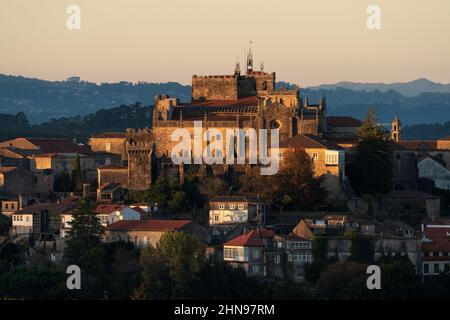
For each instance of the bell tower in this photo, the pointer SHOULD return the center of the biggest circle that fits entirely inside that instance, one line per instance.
(396, 130)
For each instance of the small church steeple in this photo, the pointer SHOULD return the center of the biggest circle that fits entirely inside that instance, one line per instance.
(396, 130)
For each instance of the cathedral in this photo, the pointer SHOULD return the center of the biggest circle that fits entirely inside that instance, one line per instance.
(244, 99)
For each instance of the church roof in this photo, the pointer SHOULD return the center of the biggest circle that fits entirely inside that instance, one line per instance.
(308, 141)
(338, 121)
(247, 101)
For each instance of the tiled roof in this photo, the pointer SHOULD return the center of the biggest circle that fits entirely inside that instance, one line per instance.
(148, 225)
(7, 169)
(111, 135)
(248, 101)
(50, 155)
(108, 209)
(112, 166)
(337, 121)
(238, 198)
(308, 141)
(440, 237)
(110, 187)
(37, 207)
(418, 144)
(56, 145)
(253, 238)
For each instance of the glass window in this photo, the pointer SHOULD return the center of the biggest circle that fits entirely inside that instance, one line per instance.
(426, 268)
(232, 206)
(221, 206)
(277, 259)
(436, 268)
(256, 253)
(315, 156)
(241, 207)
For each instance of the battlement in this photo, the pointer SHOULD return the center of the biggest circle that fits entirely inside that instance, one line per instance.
(213, 76)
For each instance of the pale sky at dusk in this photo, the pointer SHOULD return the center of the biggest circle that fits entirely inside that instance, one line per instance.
(306, 42)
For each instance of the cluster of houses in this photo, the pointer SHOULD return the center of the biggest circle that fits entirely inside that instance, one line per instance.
(241, 231)
(239, 234)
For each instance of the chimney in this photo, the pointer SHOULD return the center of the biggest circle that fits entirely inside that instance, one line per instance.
(86, 190)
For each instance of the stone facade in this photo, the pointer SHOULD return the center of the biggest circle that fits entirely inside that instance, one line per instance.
(222, 102)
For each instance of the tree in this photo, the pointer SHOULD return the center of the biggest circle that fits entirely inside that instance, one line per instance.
(293, 186)
(86, 232)
(320, 262)
(5, 224)
(77, 179)
(344, 280)
(372, 170)
(362, 249)
(211, 186)
(171, 269)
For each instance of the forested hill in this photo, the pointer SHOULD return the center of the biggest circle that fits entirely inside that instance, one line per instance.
(80, 127)
(137, 116)
(42, 100)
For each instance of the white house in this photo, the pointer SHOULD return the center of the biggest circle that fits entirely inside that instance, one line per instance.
(108, 214)
(235, 210)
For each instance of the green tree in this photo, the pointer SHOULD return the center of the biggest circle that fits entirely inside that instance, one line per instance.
(86, 232)
(77, 178)
(371, 172)
(171, 269)
(320, 262)
(362, 249)
(5, 224)
(344, 280)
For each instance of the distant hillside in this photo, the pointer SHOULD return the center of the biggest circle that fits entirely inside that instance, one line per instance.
(42, 100)
(139, 116)
(80, 127)
(408, 89)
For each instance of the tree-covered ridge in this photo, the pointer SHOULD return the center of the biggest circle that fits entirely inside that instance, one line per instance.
(42, 100)
(105, 120)
(429, 131)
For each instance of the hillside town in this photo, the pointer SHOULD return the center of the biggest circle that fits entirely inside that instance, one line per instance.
(347, 190)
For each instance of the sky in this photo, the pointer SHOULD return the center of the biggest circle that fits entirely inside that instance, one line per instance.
(305, 42)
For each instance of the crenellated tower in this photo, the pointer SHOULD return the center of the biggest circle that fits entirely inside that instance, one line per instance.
(140, 147)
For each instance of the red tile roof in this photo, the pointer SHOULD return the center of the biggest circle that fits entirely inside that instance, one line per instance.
(56, 145)
(248, 101)
(418, 144)
(336, 121)
(108, 209)
(148, 225)
(7, 169)
(440, 237)
(253, 238)
(112, 166)
(111, 135)
(308, 141)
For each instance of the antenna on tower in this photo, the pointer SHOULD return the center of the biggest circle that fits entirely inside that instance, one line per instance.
(237, 68)
(250, 57)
